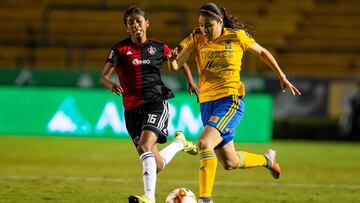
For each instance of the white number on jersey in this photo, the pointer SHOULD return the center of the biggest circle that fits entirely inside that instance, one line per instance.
(151, 118)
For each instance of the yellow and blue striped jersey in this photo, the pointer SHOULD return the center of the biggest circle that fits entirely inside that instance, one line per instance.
(219, 62)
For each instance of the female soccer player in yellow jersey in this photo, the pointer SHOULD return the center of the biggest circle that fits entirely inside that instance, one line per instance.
(218, 45)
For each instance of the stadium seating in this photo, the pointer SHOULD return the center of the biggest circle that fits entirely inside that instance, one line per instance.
(78, 34)
(327, 41)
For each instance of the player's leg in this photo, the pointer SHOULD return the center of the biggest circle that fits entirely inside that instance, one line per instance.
(147, 153)
(226, 149)
(144, 141)
(231, 159)
(228, 157)
(157, 122)
(178, 144)
(154, 130)
(209, 138)
(212, 113)
(158, 159)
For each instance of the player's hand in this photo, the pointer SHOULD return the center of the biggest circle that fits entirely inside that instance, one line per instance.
(284, 83)
(173, 54)
(116, 89)
(194, 89)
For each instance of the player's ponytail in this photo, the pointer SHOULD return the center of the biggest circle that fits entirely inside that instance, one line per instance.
(220, 13)
(232, 22)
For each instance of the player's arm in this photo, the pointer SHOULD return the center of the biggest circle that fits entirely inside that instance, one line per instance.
(176, 60)
(105, 79)
(269, 60)
(192, 86)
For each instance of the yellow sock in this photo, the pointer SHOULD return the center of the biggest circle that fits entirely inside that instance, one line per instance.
(250, 160)
(207, 172)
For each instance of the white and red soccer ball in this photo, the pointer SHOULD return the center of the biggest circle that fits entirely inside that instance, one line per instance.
(181, 195)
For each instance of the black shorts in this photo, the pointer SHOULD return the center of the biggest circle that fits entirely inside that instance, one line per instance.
(153, 117)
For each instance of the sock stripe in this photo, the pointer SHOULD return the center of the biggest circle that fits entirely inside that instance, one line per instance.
(241, 163)
(207, 154)
(146, 155)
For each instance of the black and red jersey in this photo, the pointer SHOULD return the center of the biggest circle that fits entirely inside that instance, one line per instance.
(138, 68)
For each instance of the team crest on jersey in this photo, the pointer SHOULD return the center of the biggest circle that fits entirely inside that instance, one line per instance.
(151, 50)
(228, 45)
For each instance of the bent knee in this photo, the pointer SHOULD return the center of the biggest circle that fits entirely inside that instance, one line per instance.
(204, 144)
(230, 165)
(143, 148)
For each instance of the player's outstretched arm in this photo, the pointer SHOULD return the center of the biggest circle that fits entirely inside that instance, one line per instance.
(269, 60)
(106, 82)
(192, 86)
(176, 59)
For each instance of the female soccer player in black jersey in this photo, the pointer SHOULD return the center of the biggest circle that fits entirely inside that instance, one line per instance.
(138, 61)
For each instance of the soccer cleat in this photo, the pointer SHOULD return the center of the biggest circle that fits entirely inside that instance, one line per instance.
(271, 163)
(139, 199)
(189, 147)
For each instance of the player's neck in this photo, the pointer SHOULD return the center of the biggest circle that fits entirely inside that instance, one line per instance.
(218, 35)
(139, 41)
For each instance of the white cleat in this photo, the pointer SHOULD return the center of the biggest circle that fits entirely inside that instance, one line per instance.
(274, 167)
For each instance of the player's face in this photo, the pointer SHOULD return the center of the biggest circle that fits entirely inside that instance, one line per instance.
(136, 25)
(210, 27)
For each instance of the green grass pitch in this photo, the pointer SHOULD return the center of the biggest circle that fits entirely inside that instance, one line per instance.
(58, 169)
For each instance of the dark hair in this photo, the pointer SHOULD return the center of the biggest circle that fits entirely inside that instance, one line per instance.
(133, 9)
(211, 9)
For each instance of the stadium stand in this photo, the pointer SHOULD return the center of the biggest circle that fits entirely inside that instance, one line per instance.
(327, 41)
(308, 37)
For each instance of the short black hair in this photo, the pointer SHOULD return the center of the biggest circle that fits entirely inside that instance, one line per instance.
(133, 9)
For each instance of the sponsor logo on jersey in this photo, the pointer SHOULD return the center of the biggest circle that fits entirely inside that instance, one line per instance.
(151, 50)
(225, 54)
(129, 53)
(212, 64)
(140, 62)
(214, 119)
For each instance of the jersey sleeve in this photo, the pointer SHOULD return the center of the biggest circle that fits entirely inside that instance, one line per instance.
(167, 51)
(113, 57)
(246, 41)
(190, 41)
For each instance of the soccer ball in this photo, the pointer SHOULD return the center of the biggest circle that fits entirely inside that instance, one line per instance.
(181, 195)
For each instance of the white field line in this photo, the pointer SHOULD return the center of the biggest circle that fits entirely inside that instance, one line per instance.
(189, 182)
